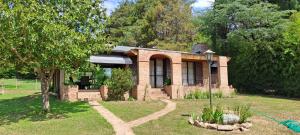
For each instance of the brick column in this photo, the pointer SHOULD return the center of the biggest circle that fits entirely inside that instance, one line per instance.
(222, 72)
(143, 79)
(176, 74)
(205, 74)
(176, 87)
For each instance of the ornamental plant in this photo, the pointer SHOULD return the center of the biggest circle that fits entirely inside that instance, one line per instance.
(119, 83)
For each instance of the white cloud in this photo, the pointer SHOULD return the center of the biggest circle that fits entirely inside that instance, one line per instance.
(203, 3)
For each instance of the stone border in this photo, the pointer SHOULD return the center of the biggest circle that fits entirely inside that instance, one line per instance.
(219, 127)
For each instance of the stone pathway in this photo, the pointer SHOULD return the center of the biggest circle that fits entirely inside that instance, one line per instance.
(120, 127)
(123, 128)
(170, 107)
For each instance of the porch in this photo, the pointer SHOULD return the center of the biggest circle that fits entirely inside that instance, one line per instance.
(159, 73)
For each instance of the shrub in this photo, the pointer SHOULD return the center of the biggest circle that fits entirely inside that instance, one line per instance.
(130, 99)
(203, 95)
(167, 82)
(207, 114)
(243, 111)
(218, 94)
(99, 77)
(218, 115)
(212, 115)
(119, 83)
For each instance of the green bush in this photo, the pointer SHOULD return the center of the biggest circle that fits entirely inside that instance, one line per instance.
(212, 115)
(207, 114)
(218, 115)
(218, 94)
(99, 77)
(119, 83)
(243, 111)
(203, 95)
(130, 99)
(167, 82)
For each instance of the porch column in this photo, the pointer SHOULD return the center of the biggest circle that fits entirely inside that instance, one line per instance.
(222, 72)
(205, 74)
(176, 87)
(143, 79)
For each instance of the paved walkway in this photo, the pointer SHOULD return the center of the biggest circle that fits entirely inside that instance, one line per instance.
(170, 107)
(120, 127)
(123, 128)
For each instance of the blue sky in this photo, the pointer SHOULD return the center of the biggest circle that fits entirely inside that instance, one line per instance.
(199, 4)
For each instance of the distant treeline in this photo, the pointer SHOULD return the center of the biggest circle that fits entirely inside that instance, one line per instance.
(13, 73)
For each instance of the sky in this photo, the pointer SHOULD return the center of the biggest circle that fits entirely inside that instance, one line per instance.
(199, 4)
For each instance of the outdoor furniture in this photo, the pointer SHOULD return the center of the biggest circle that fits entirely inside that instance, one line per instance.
(84, 82)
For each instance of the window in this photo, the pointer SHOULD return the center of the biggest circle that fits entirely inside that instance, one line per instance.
(188, 73)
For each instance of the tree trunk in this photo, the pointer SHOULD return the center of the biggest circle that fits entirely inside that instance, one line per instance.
(45, 92)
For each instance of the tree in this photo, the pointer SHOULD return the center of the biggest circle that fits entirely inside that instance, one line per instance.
(292, 52)
(50, 35)
(166, 24)
(261, 42)
(286, 4)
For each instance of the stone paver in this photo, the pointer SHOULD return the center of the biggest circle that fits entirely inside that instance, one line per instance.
(123, 128)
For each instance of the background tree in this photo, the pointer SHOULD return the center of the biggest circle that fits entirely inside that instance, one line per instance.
(50, 35)
(166, 24)
(261, 41)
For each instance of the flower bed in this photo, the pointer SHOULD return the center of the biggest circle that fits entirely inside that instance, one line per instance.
(217, 119)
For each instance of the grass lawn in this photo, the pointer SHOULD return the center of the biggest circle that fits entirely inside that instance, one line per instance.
(176, 124)
(131, 110)
(14, 84)
(20, 115)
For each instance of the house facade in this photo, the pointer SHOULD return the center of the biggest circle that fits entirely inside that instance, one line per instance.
(157, 73)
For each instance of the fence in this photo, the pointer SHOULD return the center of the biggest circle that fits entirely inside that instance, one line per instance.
(19, 84)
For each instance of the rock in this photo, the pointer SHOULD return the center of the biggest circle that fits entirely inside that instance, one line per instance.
(212, 126)
(230, 119)
(198, 123)
(244, 129)
(203, 125)
(191, 121)
(225, 127)
(236, 126)
(246, 125)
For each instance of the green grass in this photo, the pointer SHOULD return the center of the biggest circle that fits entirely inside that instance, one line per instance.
(18, 84)
(176, 124)
(20, 114)
(131, 110)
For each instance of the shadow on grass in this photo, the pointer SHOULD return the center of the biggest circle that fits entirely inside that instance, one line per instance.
(29, 108)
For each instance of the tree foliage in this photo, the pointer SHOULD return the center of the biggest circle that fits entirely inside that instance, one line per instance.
(261, 41)
(50, 35)
(165, 24)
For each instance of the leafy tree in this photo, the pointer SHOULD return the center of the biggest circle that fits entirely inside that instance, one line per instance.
(286, 4)
(165, 24)
(261, 42)
(292, 52)
(50, 35)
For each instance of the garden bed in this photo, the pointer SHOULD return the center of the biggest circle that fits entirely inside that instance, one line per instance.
(216, 118)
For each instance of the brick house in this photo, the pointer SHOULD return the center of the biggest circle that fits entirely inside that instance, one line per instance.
(187, 71)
